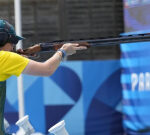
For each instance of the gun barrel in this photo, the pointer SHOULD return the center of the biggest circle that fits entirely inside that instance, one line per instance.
(106, 41)
(120, 40)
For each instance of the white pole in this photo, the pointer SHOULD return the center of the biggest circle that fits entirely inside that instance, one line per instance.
(18, 24)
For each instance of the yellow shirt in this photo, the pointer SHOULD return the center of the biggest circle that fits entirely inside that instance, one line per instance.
(11, 64)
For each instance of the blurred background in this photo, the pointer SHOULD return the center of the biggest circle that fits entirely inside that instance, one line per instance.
(86, 89)
(49, 20)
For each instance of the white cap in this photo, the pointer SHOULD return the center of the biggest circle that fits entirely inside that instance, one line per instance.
(22, 120)
(37, 133)
(57, 127)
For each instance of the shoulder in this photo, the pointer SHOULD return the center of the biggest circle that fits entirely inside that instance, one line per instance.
(12, 56)
(2, 53)
(6, 53)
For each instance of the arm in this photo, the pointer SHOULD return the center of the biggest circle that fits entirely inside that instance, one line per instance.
(48, 67)
(44, 69)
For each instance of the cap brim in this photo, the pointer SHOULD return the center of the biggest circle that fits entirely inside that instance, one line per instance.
(20, 38)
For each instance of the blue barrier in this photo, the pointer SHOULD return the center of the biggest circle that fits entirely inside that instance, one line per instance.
(86, 94)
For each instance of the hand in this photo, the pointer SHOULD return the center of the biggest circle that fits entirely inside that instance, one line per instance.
(21, 52)
(71, 48)
(31, 51)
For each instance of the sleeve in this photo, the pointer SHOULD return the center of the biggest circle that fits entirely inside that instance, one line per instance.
(15, 64)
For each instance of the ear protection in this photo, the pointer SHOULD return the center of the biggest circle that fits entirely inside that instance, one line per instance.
(6, 37)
